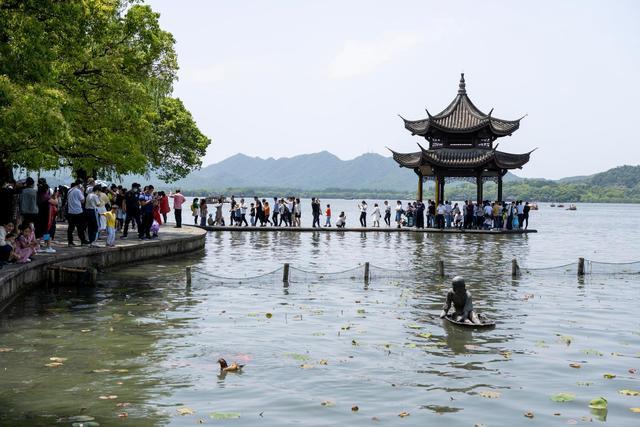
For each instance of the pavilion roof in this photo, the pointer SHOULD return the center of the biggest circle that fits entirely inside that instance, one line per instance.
(462, 116)
(461, 158)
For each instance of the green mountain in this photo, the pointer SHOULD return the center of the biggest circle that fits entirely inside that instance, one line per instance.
(325, 175)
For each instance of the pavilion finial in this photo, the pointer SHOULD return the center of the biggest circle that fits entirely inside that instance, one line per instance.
(462, 87)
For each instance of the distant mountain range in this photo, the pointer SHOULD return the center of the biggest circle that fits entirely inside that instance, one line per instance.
(371, 173)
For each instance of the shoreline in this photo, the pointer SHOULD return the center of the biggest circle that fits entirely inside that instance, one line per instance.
(362, 230)
(17, 278)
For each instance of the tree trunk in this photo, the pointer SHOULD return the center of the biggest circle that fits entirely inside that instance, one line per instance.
(6, 172)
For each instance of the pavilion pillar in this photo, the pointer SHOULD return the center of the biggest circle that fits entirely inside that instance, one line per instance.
(442, 190)
(500, 188)
(419, 194)
(479, 189)
(437, 188)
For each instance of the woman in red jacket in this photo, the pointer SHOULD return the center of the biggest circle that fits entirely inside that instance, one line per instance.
(164, 205)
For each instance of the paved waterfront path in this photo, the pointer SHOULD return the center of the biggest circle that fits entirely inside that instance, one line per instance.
(173, 241)
(366, 230)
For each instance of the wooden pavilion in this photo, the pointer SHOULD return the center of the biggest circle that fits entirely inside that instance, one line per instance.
(461, 146)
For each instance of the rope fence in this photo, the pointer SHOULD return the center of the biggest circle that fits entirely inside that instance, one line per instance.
(368, 272)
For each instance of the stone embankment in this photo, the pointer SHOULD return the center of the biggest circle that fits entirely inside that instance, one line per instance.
(16, 278)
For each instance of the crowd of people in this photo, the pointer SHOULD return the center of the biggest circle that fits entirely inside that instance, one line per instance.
(444, 215)
(93, 211)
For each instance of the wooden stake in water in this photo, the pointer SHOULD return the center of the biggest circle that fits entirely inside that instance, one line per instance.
(580, 266)
(515, 269)
(285, 273)
(366, 272)
(440, 268)
(188, 270)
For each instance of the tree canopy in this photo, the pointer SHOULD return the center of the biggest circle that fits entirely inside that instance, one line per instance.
(88, 85)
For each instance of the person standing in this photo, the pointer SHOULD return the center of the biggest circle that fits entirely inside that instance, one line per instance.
(75, 213)
(376, 215)
(50, 233)
(203, 212)
(243, 213)
(163, 202)
(146, 213)
(315, 212)
(398, 214)
(232, 210)
(178, 200)
(420, 214)
(297, 208)
(520, 210)
(219, 218)
(387, 213)
(29, 202)
(363, 213)
(448, 213)
(266, 211)
(327, 215)
(110, 217)
(259, 214)
(132, 209)
(525, 215)
(91, 205)
(276, 212)
(440, 211)
(195, 210)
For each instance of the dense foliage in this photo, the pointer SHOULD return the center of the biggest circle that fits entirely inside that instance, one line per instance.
(87, 85)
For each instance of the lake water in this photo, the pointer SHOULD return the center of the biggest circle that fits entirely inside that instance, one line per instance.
(148, 344)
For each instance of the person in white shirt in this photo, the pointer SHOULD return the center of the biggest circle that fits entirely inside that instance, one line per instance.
(399, 214)
(363, 213)
(75, 213)
(342, 220)
(376, 215)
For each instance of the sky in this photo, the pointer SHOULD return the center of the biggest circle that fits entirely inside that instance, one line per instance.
(282, 78)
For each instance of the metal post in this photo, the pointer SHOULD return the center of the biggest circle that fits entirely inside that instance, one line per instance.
(515, 269)
(440, 268)
(285, 273)
(580, 266)
(366, 272)
(188, 271)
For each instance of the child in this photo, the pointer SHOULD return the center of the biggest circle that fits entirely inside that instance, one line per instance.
(210, 220)
(342, 220)
(110, 220)
(253, 215)
(155, 227)
(327, 214)
(25, 247)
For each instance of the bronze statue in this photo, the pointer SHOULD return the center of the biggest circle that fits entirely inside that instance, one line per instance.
(462, 303)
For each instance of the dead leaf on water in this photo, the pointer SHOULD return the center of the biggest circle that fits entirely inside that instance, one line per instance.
(636, 410)
(123, 415)
(85, 330)
(426, 335)
(633, 371)
(490, 394)
(609, 376)
(414, 326)
(268, 315)
(529, 414)
(5, 349)
(185, 411)
(328, 403)
(506, 354)
(403, 414)
(108, 397)
(565, 339)
(100, 371)
(355, 408)
(323, 362)
(306, 366)
(575, 365)
(123, 404)
(53, 364)
(629, 392)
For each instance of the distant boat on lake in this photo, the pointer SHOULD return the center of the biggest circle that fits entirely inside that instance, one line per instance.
(572, 207)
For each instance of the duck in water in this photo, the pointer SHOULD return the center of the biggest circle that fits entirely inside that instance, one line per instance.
(462, 303)
(234, 367)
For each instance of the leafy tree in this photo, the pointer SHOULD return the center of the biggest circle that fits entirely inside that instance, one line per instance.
(87, 85)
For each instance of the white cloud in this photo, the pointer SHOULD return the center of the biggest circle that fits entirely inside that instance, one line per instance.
(357, 57)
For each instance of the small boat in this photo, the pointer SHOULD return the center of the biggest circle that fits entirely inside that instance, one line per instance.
(486, 323)
(572, 207)
(553, 205)
(561, 206)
